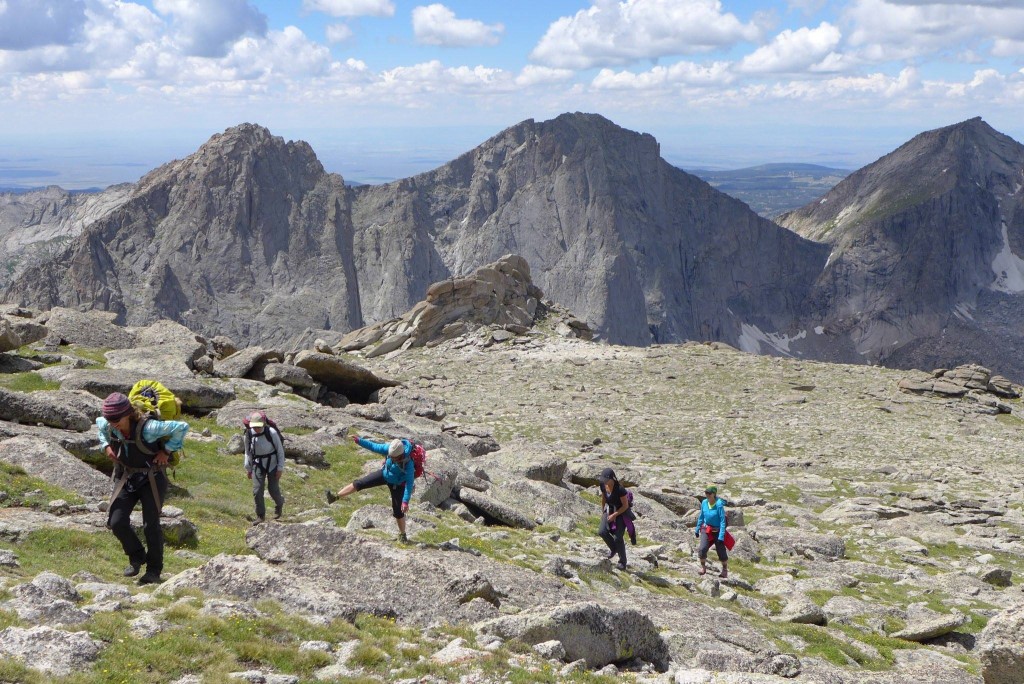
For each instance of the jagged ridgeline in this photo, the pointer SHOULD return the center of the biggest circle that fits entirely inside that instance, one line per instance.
(251, 238)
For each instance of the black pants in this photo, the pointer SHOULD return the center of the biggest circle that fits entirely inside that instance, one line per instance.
(121, 525)
(705, 546)
(259, 478)
(376, 479)
(615, 540)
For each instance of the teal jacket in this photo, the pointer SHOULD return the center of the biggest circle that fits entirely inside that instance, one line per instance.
(394, 473)
(712, 516)
(173, 431)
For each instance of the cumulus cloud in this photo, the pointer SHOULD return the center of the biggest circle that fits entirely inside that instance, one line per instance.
(616, 33)
(27, 24)
(661, 77)
(796, 51)
(351, 8)
(338, 33)
(206, 28)
(437, 25)
(532, 75)
(885, 30)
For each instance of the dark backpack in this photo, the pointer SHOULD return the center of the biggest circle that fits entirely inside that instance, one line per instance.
(267, 422)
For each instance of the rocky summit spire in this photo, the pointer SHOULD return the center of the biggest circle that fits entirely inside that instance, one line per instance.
(926, 265)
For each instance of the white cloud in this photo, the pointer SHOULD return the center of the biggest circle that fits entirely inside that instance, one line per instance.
(206, 28)
(615, 33)
(795, 51)
(338, 33)
(437, 25)
(351, 8)
(661, 77)
(27, 24)
(885, 30)
(532, 75)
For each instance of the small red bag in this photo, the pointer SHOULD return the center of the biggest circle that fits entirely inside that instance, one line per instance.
(730, 541)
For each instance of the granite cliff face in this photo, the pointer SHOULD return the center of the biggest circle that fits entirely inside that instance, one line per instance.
(924, 269)
(248, 236)
(251, 238)
(642, 251)
(35, 224)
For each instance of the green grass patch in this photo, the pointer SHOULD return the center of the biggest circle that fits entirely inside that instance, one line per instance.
(25, 490)
(96, 356)
(28, 381)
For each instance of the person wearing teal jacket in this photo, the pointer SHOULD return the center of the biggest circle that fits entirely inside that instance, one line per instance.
(398, 473)
(140, 448)
(711, 529)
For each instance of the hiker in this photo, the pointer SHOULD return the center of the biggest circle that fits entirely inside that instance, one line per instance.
(140, 446)
(398, 473)
(264, 458)
(711, 529)
(616, 513)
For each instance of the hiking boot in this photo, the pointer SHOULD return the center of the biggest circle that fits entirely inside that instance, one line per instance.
(331, 496)
(620, 565)
(150, 578)
(403, 538)
(724, 574)
(277, 511)
(257, 521)
(611, 554)
(132, 570)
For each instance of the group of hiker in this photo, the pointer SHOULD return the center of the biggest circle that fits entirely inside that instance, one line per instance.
(140, 432)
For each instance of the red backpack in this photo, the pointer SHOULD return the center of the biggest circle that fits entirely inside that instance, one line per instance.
(419, 458)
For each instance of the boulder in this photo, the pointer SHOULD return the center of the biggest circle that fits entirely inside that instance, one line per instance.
(164, 349)
(497, 510)
(48, 461)
(239, 364)
(287, 413)
(339, 375)
(50, 650)
(413, 402)
(802, 610)
(194, 394)
(587, 631)
(223, 347)
(27, 330)
(931, 627)
(9, 338)
(1001, 648)
(27, 407)
(794, 542)
(273, 372)
(49, 599)
(11, 363)
(87, 328)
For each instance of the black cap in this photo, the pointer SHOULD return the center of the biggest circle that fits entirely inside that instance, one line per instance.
(606, 474)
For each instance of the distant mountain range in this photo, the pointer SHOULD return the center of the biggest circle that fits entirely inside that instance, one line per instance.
(772, 189)
(912, 260)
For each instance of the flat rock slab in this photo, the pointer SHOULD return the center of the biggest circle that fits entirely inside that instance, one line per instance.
(51, 463)
(50, 650)
(498, 510)
(193, 393)
(30, 408)
(931, 628)
(338, 375)
(335, 573)
(78, 443)
(87, 328)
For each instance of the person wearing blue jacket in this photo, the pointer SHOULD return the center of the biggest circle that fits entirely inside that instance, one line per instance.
(140, 447)
(711, 529)
(398, 473)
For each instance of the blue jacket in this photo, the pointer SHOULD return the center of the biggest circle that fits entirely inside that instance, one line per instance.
(152, 431)
(393, 472)
(712, 516)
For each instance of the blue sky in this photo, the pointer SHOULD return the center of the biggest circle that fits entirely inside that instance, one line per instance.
(99, 91)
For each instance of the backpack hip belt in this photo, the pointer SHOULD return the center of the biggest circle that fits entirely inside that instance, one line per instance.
(151, 476)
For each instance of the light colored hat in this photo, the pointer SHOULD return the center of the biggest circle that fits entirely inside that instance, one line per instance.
(396, 448)
(256, 420)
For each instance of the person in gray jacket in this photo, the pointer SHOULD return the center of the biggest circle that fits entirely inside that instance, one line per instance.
(264, 464)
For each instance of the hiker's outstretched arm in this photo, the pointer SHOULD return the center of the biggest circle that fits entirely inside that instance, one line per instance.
(173, 431)
(377, 448)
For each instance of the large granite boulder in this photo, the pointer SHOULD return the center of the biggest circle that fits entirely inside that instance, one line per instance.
(27, 407)
(275, 372)
(87, 328)
(194, 394)
(1001, 647)
(504, 513)
(164, 349)
(48, 461)
(588, 631)
(339, 375)
(50, 650)
(238, 364)
(9, 338)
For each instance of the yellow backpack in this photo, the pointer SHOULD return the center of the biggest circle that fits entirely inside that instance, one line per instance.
(152, 398)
